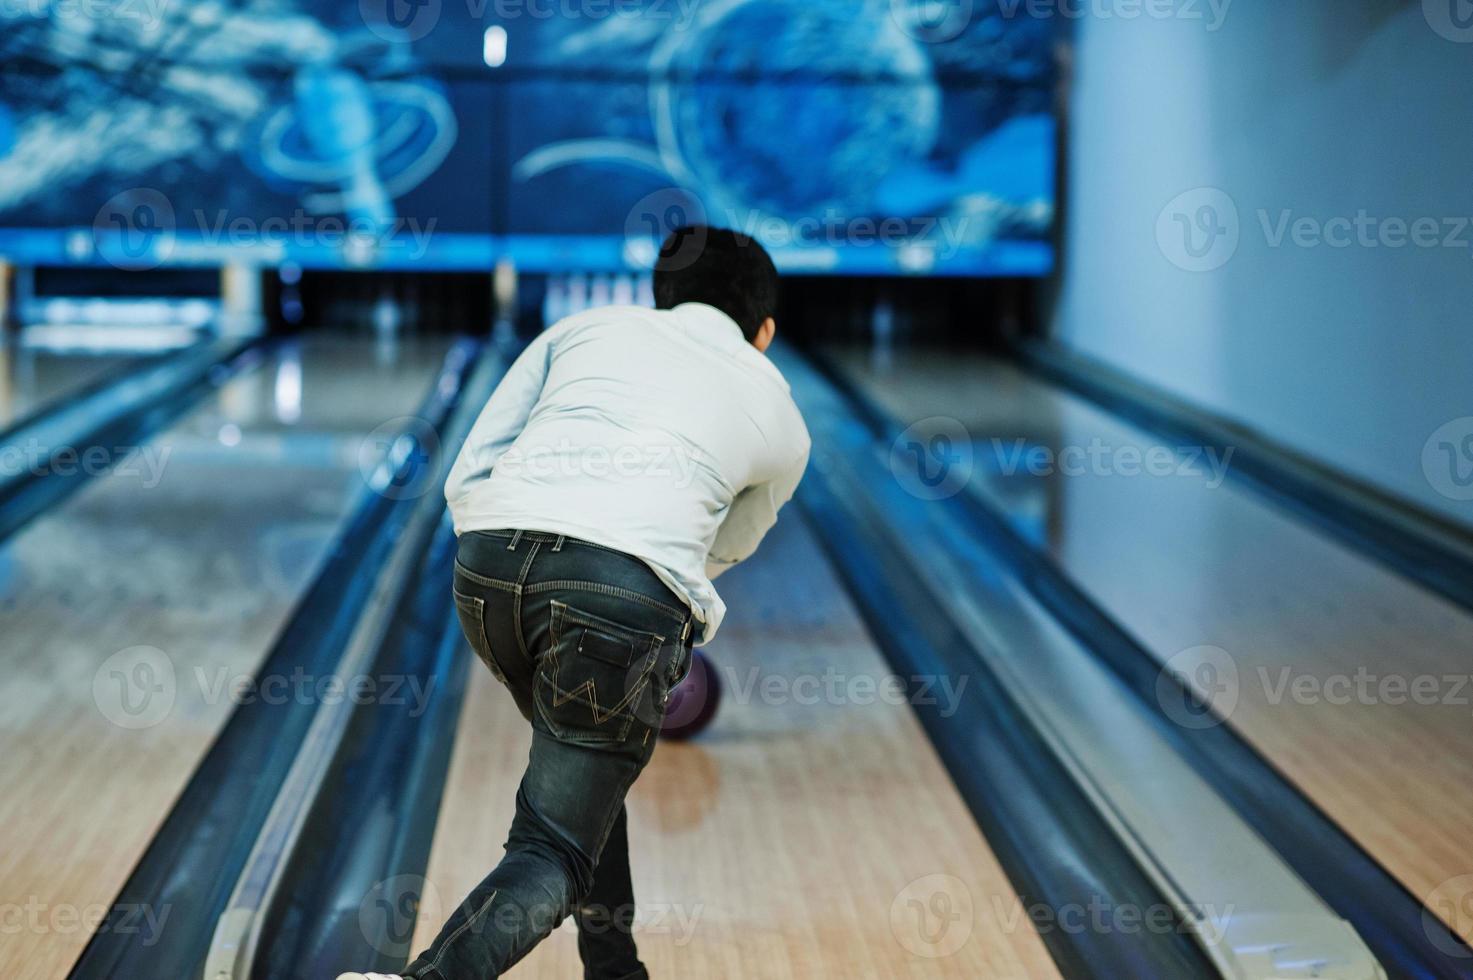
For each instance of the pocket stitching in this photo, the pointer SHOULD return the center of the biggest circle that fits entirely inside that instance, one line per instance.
(562, 696)
(574, 615)
(478, 611)
(562, 613)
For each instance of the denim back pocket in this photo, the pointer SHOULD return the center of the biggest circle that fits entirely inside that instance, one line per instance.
(594, 676)
(472, 613)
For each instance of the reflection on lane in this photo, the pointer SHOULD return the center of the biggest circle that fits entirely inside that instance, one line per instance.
(136, 612)
(1349, 678)
(32, 379)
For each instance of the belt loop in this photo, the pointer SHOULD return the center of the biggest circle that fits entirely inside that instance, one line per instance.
(515, 539)
(560, 539)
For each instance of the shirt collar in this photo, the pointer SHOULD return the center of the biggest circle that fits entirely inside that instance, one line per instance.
(714, 328)
(718, 328)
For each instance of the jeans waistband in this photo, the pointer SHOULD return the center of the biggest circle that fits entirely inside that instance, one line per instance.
(515, 536)
(503, 540)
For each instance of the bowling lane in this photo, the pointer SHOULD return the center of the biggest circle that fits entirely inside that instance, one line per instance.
(32, 379)
(1350, 679)
(800, 836)
(132, 610)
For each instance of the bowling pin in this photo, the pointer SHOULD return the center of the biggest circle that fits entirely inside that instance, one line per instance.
(623, 290)
(601, 293)
(577, 293)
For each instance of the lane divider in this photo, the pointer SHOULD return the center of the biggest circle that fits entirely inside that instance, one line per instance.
(241, 939)
(1423, 547)
(1058, 851)
(125, 413)
(193, 863)
(1405, 936)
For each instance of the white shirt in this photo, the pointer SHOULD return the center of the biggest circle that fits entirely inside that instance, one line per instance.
(663, 434)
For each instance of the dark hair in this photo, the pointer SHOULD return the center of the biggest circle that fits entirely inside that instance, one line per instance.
(721, 268)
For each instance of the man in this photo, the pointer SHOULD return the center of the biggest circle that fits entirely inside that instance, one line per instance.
(627, 459)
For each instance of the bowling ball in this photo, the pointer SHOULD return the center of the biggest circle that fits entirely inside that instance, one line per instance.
(693, 701)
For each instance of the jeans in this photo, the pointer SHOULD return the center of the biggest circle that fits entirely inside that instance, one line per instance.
(589, 642)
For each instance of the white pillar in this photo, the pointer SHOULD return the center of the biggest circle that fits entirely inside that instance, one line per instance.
(504, 298)
(240, 300)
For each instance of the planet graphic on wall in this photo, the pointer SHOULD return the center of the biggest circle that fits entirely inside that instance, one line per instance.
(821, 147)
(354, 144)
(826, 141)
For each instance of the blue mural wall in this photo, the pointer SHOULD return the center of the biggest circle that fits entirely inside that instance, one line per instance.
(867, 136)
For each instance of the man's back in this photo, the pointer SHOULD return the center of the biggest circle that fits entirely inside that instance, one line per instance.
(663, 434)
(627, 458)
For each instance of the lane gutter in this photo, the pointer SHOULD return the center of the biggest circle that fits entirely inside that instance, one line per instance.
(104, 421)
(185, 876)
(1054, 846)
(1407, 937)
(344, 852)
(1423, 547)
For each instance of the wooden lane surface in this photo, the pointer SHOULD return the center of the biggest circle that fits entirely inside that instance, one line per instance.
(1352, 680)
(31, 379)
(801, 836)
(130, 612)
